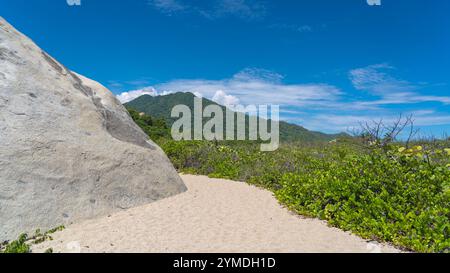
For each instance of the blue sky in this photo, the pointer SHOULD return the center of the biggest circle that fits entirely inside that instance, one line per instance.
(329, 64)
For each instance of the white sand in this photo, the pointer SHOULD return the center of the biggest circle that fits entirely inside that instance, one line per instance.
(215, 216)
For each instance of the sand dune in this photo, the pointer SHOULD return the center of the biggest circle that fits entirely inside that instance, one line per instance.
(214, 215)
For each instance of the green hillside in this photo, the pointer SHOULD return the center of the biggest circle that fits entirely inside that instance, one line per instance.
(161, 106)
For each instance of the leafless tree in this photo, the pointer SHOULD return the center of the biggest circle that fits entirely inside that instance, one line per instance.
(378, 134)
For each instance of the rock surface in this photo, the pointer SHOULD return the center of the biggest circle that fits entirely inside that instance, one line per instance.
(69, 151)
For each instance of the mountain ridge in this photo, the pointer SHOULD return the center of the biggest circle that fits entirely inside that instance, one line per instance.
(161, 106)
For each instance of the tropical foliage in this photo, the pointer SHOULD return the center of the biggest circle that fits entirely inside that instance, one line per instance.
(381, 190)
(24, 242)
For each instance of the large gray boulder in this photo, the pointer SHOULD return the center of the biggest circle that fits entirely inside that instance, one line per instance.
(68, 149)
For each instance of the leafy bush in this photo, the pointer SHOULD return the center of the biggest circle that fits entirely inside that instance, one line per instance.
(400, 196)
(23, 243)
(18, 246)
(404, 201)
(154, 128)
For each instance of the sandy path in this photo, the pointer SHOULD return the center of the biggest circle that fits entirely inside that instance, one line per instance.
(215, 215)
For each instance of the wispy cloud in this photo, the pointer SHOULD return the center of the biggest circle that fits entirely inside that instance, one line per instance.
(215, 9)
(329, 122)
(255, 86)
(134, 94)
(136, 84)
(247, 9)
(168, 6)
(224, 99)
(252, 86)
(377, 81)
(114, 85)
(406, 98)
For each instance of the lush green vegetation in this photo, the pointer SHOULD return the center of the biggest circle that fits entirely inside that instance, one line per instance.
(373, 186)
(155, 128)
(394, 197)
(17, 246)
(24, 242)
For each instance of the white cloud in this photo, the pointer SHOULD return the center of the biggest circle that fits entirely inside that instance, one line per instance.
(304, 28)
(243, 9)
(258, 86)
(168, 6)
(254, 86)
(131, 95)
(249, 74)
(376, 80)
(334, 123)
(227, 100)
(114, 85)
(406, 98)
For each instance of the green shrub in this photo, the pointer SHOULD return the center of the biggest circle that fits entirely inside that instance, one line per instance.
(18, 246)
(395, 195)
(401, 201)
(154, 128)
(23, 243)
